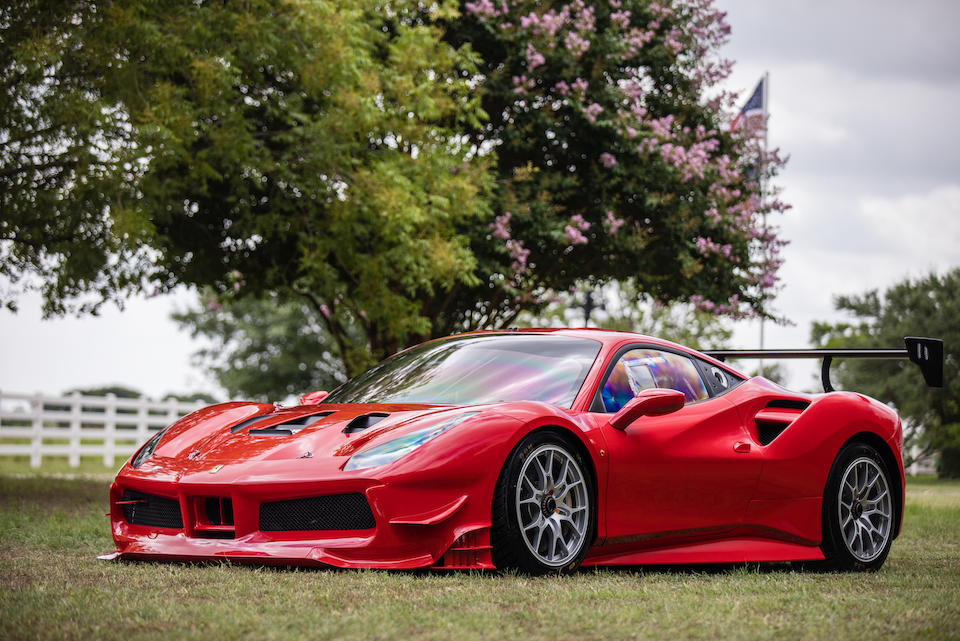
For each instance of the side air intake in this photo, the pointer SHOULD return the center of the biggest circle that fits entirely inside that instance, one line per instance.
(777, 416)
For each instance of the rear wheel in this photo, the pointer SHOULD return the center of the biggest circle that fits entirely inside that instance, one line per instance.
(859, 510)
(543, 510)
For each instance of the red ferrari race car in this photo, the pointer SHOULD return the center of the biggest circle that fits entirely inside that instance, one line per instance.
(540, 450)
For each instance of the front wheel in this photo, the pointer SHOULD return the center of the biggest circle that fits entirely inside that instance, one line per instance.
(543, 511)
(859, 510)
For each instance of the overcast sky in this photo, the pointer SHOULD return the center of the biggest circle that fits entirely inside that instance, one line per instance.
(863, 98)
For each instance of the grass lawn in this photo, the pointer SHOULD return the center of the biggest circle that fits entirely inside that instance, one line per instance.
(52, 587)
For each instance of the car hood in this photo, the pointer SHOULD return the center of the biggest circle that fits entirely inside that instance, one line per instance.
(238, 432)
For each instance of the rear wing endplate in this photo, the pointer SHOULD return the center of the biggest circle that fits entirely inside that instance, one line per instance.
(927, 353)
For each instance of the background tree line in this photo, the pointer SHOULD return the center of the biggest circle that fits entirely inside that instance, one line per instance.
(401, 170)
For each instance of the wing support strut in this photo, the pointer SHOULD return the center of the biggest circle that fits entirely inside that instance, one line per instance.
(926, 353)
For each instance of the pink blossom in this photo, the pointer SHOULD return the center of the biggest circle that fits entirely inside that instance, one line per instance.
(659, 10)
(620, 19)
(592, 111)
(585, 20)
(501, 226)
(522, 84)
(562, 88)
(581, 224)
(636, 39)
(671, 42)
(214, 306)
(576, 44)
(608, 159)
(482, 8)
(574, 236)
(551, 22)
(647, 145)
(534, 58)
(519, 254)
(661, 126)
(612, 223)
(580, 86)
(325, 310)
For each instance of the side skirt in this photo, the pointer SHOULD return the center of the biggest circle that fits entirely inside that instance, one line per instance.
(741, 550)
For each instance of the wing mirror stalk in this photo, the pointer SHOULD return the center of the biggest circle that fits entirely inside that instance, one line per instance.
(313, 397)
(650, 402)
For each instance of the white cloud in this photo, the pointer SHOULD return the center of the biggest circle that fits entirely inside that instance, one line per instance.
(922, 229)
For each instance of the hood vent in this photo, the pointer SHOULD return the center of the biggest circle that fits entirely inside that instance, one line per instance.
(289, 428)
(364, 421)
(250, 421)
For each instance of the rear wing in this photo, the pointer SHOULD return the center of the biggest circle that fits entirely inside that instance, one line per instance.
(927, 353)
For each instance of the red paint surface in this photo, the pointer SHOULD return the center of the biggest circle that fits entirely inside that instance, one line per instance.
(670, 489)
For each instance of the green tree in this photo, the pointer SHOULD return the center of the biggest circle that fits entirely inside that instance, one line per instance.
(613, 161)
(361, 156)
(621, 306)
(193, 397)
(117, 390)
(264, 349)
(928, 306)
(309, 148)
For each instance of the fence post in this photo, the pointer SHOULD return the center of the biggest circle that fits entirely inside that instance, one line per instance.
(36, 429)
(173, 412)
(143, 422)
(110, 429)
(75, 406)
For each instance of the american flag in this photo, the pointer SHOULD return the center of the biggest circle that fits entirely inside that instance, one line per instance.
(753, 107)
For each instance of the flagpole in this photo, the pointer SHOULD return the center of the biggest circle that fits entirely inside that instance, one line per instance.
(763, 187)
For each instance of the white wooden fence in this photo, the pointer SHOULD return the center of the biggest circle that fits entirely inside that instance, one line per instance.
(37, 425)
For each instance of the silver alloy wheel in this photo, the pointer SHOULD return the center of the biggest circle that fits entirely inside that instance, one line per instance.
(865, 509)
(553, 506)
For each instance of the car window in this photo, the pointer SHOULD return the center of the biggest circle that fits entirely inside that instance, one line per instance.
(641, 369)
(473, 369)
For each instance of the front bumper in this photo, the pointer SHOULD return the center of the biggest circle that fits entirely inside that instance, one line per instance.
(417, 523)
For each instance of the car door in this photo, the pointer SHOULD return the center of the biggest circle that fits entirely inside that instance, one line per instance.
(688, 473)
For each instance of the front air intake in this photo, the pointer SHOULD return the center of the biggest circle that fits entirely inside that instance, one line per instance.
(332, 512)
(150, 510)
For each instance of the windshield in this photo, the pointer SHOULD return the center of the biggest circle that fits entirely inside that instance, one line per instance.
(477, 369)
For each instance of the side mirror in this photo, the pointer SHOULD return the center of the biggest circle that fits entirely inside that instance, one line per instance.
(313, 397)
(649, 402)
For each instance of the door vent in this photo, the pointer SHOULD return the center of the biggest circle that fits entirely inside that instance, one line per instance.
(777, 416)
(789, 403)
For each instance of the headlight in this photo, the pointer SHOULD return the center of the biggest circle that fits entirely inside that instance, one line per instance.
(147, 450)
(401, 446)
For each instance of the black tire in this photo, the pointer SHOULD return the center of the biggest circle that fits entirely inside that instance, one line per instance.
(860, 510)
(565, 511)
